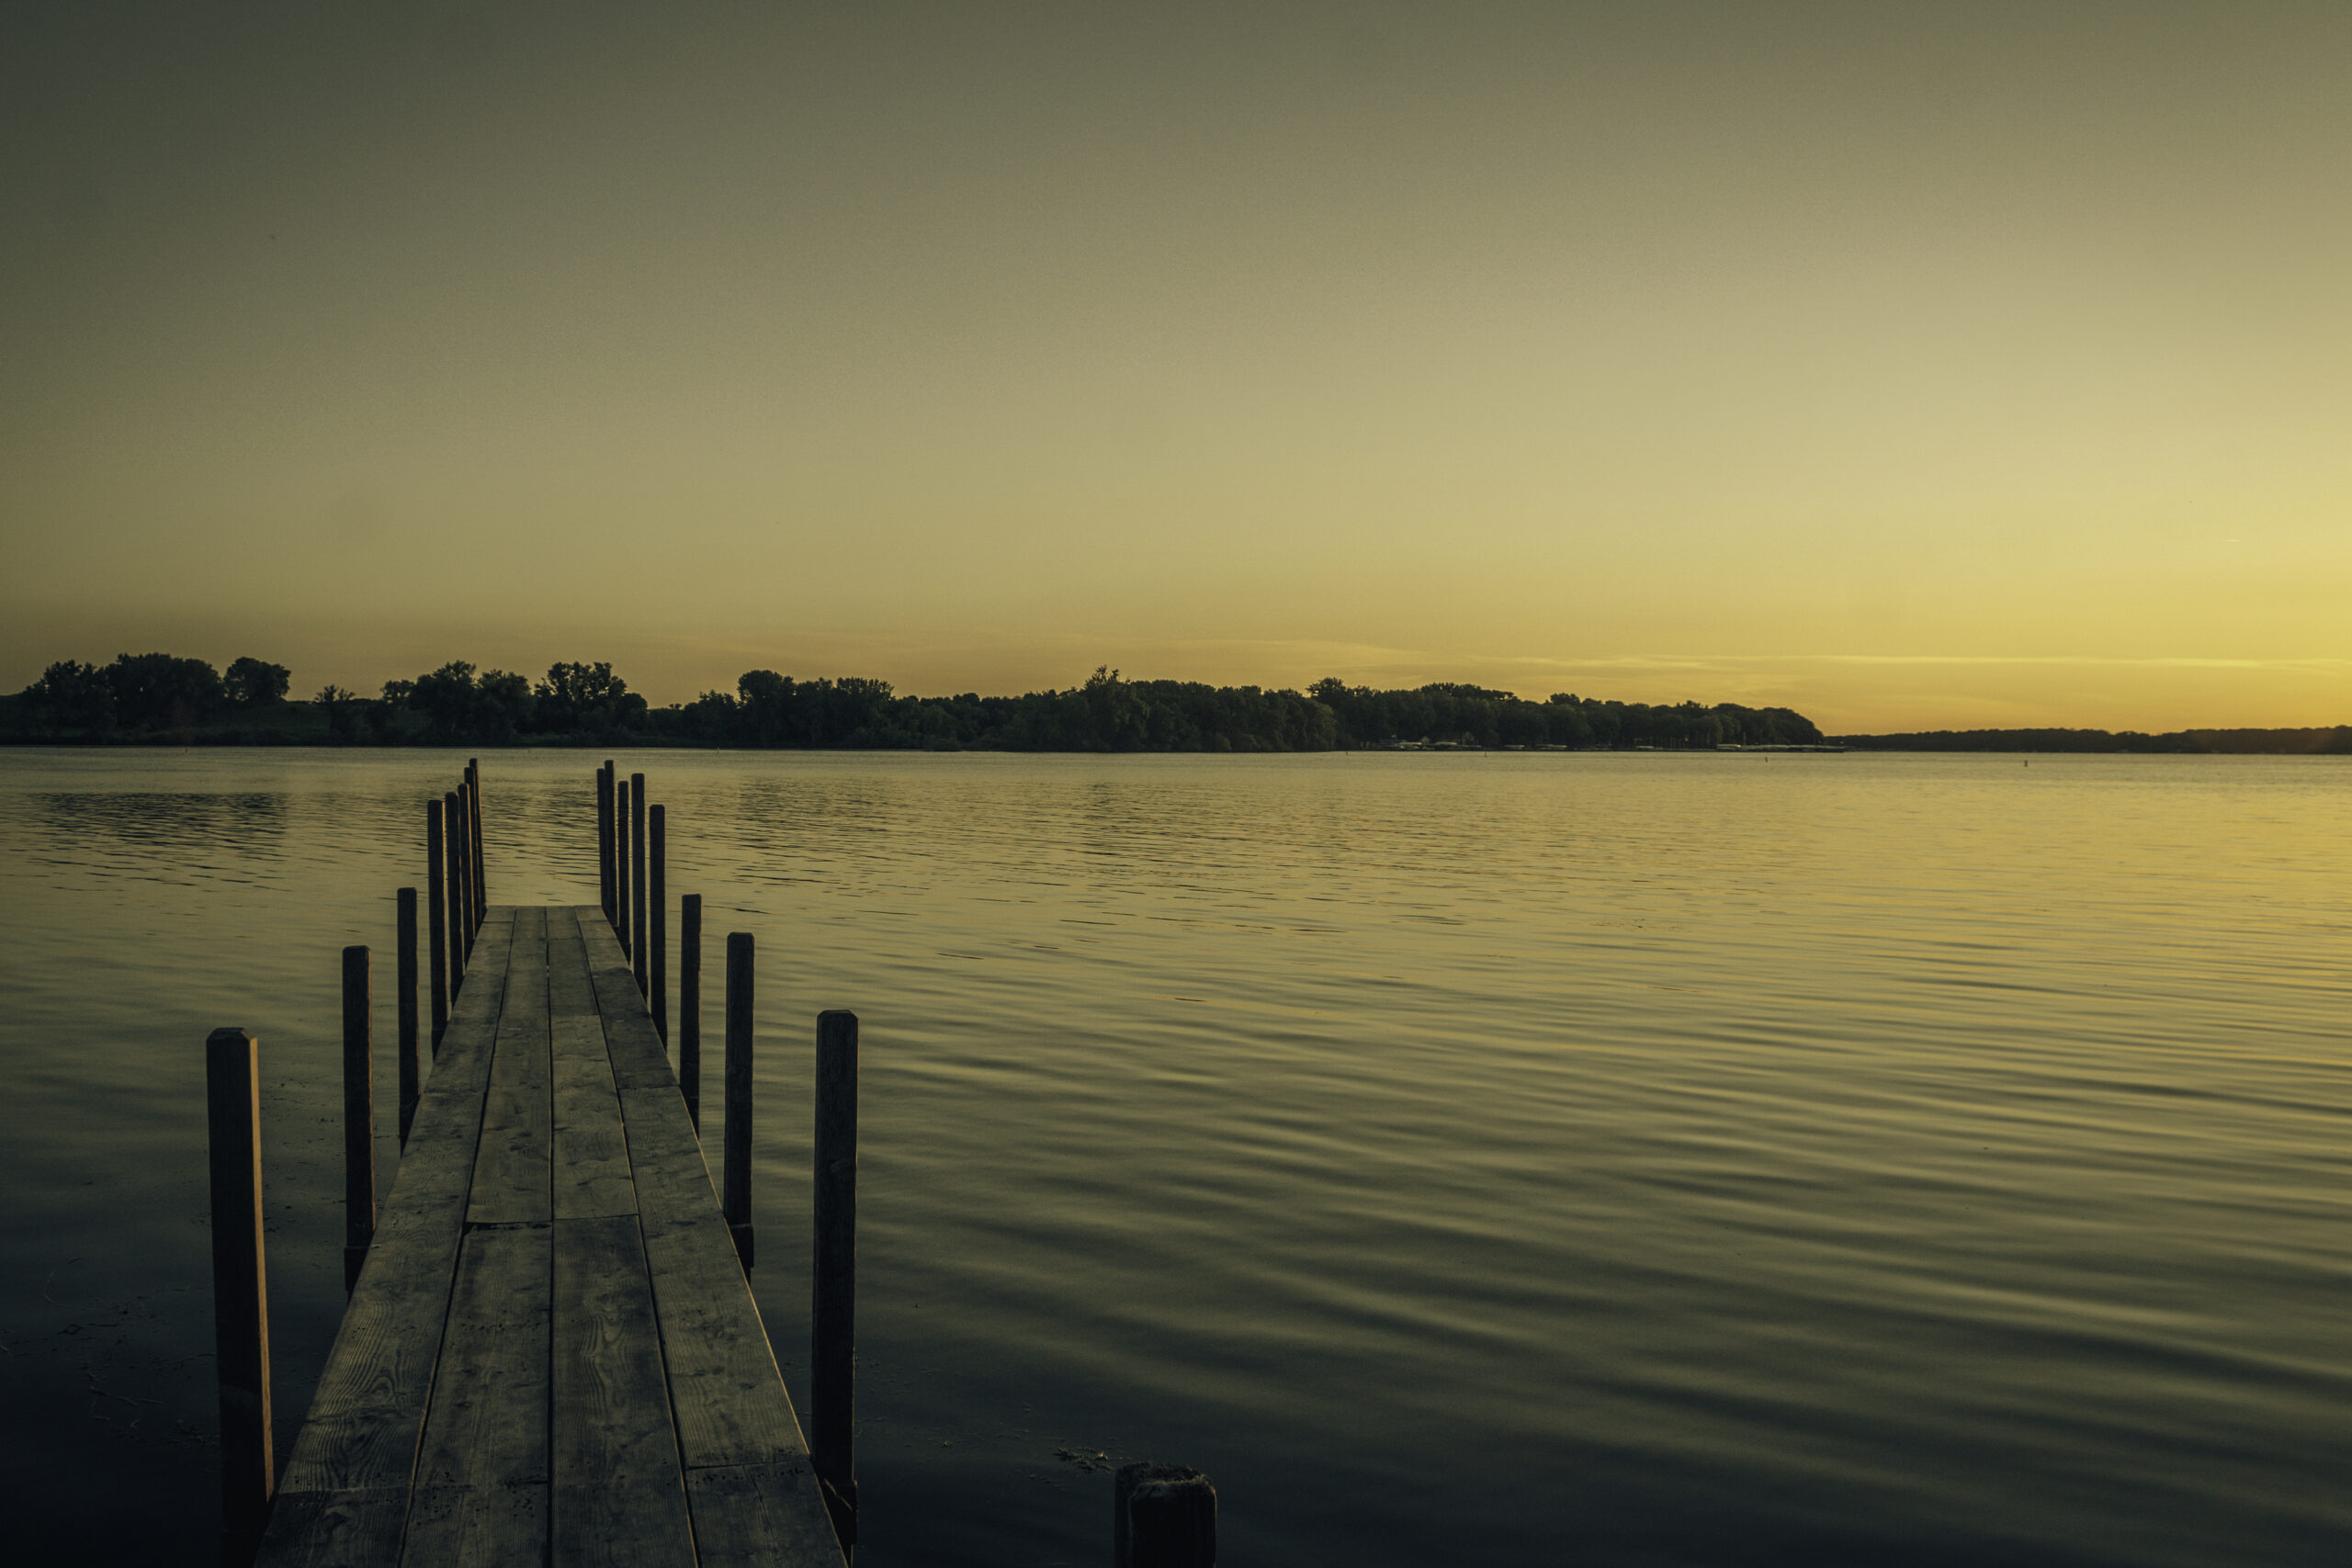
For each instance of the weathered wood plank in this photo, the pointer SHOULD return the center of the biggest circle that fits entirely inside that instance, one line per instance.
(638, 1055)
(755, 1516)
(592, 1170)
(477, 1526)
(488, 1423)
(727, 1396)
(368, 1413)
(336, 1529)
(619, 1493)
(512, 1172)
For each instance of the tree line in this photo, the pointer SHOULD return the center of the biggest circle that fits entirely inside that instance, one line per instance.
(160, 697)
(2333, 741)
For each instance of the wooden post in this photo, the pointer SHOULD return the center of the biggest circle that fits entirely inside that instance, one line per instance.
(658, 939)
(620, 861)
(1162, 1516)
(239, 1289)
(406, 971)
(453, 844)
(359, 1117)
(437, 924)
(466, 863)
(605, 837)
(735, 1158)
(832, 1358)
(637, 875)
(473, 843)
(690, 1006)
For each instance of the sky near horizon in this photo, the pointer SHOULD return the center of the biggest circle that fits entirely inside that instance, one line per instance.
(1913, 366)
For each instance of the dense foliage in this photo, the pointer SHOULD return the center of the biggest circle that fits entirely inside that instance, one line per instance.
(145, 693)
(157, 697)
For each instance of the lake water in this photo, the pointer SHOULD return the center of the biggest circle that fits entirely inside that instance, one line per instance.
(1636, 1158)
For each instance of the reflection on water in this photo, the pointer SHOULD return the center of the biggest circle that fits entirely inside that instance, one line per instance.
(1625, 1158)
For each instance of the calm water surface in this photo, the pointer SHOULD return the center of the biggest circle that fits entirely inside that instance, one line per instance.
(1599, 1158)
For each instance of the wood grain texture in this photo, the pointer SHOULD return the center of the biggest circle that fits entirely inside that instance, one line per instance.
(755, 1516)
(592, 1170)
(513, 1173)
(619, 1493)
(477, 1526)
(487, 1421)
(728, 1398)
(638, 1058)
(337, 1529)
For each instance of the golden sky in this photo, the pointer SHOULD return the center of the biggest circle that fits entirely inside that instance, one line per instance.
(1916, 365)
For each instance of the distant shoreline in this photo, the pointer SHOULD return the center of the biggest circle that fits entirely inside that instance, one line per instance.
(160, 699)
(2333, 742)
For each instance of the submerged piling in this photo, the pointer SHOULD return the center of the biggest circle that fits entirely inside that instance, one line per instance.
(735, 1158)
(690, 1007)
(359, 1117)
(239, 1289)
(834, 1305)
(1162, 1516)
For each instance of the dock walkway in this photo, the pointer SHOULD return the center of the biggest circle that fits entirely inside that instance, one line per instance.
(552, 1355)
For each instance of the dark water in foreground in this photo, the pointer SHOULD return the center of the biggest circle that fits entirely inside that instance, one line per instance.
(1618, 1159)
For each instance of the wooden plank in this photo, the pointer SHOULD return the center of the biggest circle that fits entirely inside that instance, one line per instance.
(512, 1176)
(481, 1474)
(336, 1529)
(756, 1516)
(637, 1051)
(592, 1171)
(725, 1389)
(477, 1526)
(488, 1423)
(358, 1443)
(619, 1494)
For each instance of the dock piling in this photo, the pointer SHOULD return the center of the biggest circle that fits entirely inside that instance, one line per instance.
(620, 861)
(636, 876)
(473, 840)
(657, 940)
(1162, 1516)
(461, 872)
(452, 870)
(359, 1117)
(239, 1289)
(690, 1007)
(833, 1315)
(735, 1158)
(436, 922)
(605, 837)
(404, 971)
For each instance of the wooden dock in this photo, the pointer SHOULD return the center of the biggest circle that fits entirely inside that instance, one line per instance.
(552, 1355)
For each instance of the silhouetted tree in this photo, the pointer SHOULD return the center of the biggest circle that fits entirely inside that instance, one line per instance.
(73, 699)
(343, 711)
(158, 692)
(252, 683)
